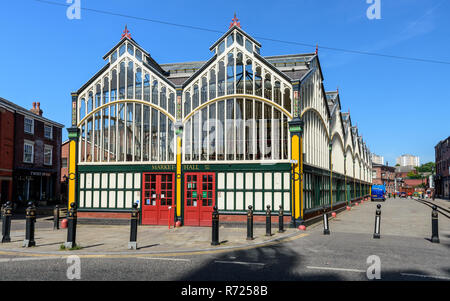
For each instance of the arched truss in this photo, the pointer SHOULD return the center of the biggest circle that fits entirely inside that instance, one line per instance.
(338, 157)
(325, 125)
(315, 139)
(236, 128)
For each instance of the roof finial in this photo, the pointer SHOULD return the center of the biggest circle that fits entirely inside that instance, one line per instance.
(126, 33)
(317, 49)
(235, 23)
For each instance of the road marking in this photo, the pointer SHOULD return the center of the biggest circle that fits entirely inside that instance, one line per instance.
(336, 269)
(28, 259)
(425, 276)
(240, 262)
(170, 259)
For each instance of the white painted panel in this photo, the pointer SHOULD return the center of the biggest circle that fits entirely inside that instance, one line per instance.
(137, 180)
(220, 180)
(249, 180)
(88, 180)
(82, 181)
(104, 201)
(286, 180)
(128, 199)
(258, 180)
(258, 201)
(268, 180)
(129, 181)
(277, 180)
(137, 197)
(112, 199)
(81, 199)
(278, 201)
(88, 199)
(268, 200)
(230, 200)
(120, 199)
(96, 180)
(239, 201)
(104, 180)
(112, 180)
(120, 179)
(287, 201)
(96, 199)
(221, 200)
(230, 180)
(248, 199)
(239, 180)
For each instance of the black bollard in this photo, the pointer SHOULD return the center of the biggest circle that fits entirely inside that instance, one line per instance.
(250, 223)
(132, 245)
(268, 222)
(434, 225)
(56, 218)
(30, 214)
(280, 220)
(6, 226)
(71, 227)
(326, 228)
(376, 233)
(215, 227)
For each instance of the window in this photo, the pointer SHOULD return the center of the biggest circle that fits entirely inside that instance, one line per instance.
(28, 152)
(64, 163)
(48, 131)
(29, 125)
(48, 155)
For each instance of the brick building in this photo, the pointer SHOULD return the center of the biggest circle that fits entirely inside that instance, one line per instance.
(442, 180)
(7, 151)
(384, 175)
(35, 160)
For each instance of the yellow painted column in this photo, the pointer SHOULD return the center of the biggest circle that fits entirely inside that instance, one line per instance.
(301, 177)
(179, 187)
(72, 191)
(295, 145)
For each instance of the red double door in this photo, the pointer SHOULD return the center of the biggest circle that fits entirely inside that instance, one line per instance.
(199, 198)
(158, 196)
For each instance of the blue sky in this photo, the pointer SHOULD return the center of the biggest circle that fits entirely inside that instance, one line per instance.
(399, 106)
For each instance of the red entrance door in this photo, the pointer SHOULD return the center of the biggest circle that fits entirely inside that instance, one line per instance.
(199, 198)
(158, 193)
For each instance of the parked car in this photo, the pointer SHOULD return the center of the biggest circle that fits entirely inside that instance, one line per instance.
(403, 194)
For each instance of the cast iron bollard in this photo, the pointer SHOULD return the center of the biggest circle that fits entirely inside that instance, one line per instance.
(71, 227)
(434, 225)
(376, 233)
(56, 218)
(215, 227)
(6, 226)
(268, 222)
(250, 223)
(280, 220)
(132, 245)
(326, 228)
(30, 214)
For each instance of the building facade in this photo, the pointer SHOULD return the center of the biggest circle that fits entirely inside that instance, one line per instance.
(377, 159)
(7, 151)
(442, 178)
(36, 145)
(408, 160)
(384, 175)
(239, 129)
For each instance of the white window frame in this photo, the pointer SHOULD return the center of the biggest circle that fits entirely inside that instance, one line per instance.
(48, 147)
(28, 143)
(51, 131)
(32, 125)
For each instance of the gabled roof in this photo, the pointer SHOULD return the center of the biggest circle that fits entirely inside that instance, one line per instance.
(234, 27)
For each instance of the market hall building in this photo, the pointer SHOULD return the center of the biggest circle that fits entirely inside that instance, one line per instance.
(239, 129)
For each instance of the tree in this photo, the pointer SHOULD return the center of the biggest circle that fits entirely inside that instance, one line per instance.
(412, 175)
(427, 167)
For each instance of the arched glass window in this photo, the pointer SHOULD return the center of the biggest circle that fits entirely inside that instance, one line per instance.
(230, 129)
(258, 81)
(114, 85)
(249, 129)
(130, 49)
(90, 103)
(221, 79)
(147, 87)
(220, 149)
(212, 131)
(82, 108)
(155, 92)
(162, 98)
(240, 127)
(130, 81)
(204, 94)
(146, 133)
(138, 83)
(122, 81)
(105, 90)
(195, 97)
(98, 96)
(187, 103)
(277, 93)
(248, 77)
(268, 87)
(230, 74)
(268, 131)
(239, 74)
(172, 104)
(212, 84)
(287, 99)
